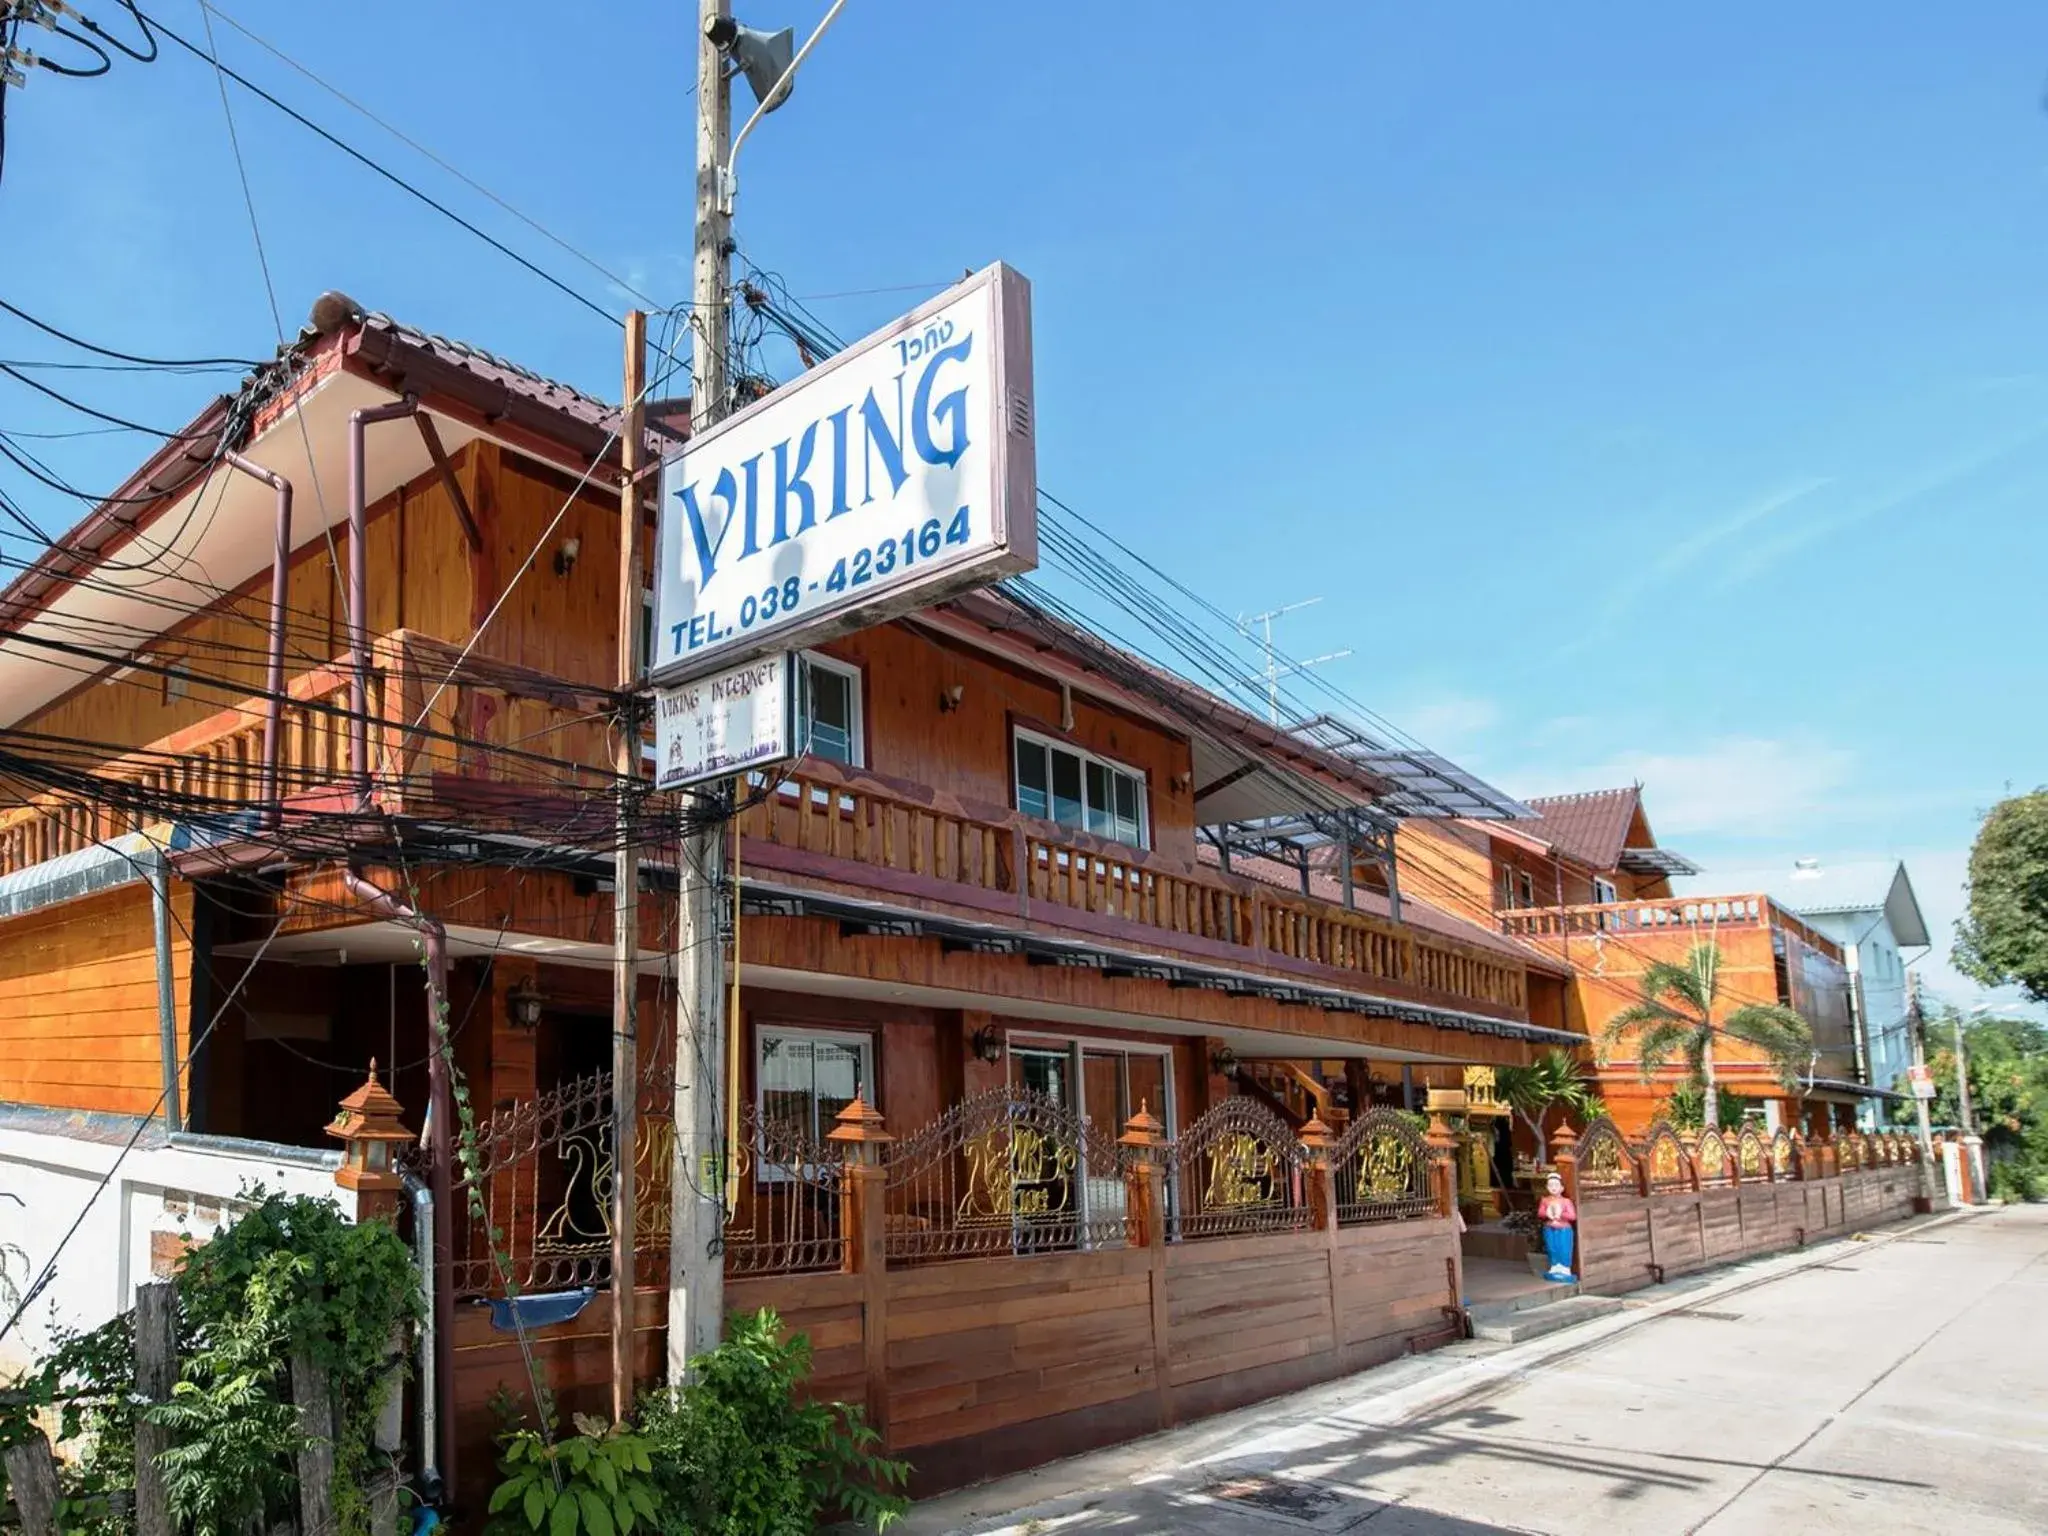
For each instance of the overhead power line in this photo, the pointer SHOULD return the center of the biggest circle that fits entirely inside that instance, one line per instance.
(418, 148)
(371, 164)
(125, 357)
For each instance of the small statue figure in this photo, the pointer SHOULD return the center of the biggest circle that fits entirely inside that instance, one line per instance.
(1557, 1213)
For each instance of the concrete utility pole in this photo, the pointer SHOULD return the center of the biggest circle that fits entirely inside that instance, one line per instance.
(1917, 1029)
(626, 880)
(696, 1285)
(1963, 1077)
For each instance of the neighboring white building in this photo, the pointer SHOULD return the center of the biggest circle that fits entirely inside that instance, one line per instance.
(1870, 910)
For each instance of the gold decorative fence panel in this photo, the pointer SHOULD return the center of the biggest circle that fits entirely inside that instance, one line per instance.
(1606, 1166)
(1238, 1169)
(1007, 1171)
(1380, 1167)
(1669, 1163)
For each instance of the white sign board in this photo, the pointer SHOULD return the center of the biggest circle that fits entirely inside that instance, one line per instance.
(726, 723)
(1922, 1082)
(895, 474)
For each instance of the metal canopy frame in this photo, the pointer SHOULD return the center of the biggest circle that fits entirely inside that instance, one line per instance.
(1655, 861)
(1294, 842)
(1425, 784)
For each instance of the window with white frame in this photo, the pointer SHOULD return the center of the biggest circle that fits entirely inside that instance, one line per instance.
(828, 701)
(1604, 893)
(1078, 789)
(804, 1077)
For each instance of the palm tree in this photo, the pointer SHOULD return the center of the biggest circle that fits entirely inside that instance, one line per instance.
(1675, 1017)
(1551, 1081)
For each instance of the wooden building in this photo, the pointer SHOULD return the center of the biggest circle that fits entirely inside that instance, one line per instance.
(1587, 883)
(1018, 905)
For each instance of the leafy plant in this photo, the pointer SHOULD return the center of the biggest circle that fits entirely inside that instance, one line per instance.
(739, 1453)
(291, 1276)
(1686, 1109)
(1675, 1016)
(87, 1381)
(597, 1482)
(1551, 1081)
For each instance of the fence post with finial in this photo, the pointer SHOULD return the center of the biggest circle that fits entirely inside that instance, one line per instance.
(863, 1227)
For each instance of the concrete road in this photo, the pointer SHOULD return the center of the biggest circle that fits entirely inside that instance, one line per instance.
(1896, 1384)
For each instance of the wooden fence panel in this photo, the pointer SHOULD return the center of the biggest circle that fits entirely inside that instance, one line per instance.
(1770, 1217)
(1676, 1244)
(987, 1344)
(1721, 1224)
(1242, 1304)
(1614, 1242)
(1392, 1286)
(828, 1310)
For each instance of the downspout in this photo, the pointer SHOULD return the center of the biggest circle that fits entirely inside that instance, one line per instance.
(359, 590)
(271, 796)
(424, 1215)
(157, 867)
(440, 1125)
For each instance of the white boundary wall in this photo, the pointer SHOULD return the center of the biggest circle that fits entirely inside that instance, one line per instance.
(160, 1192)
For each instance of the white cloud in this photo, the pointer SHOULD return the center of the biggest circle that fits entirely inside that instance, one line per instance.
(1450, 725)
(1734, 786)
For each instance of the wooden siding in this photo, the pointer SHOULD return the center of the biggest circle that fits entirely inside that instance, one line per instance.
(966, 752)
(78, 1001)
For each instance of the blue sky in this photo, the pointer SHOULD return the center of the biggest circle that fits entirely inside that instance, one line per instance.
(1648, 395)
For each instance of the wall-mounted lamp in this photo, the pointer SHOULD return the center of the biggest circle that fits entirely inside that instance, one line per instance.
(949, 698)
(524, 1003)
(987, 1044)
(565, 555)
(1223, 1061)
(1183, 782)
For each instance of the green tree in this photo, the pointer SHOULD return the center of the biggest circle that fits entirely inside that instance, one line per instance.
(2004, 939)
(1551, 1081)
(2008, 1097)
(1674, 1016)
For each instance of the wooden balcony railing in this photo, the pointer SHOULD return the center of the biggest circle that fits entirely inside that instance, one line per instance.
(865, 831)
(518, 727)
(449, 733)
(1660, 915)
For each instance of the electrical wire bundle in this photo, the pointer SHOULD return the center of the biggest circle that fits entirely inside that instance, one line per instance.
(55, 16)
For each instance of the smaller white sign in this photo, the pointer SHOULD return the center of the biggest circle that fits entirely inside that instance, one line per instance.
(1922, 1081)
(716, 726)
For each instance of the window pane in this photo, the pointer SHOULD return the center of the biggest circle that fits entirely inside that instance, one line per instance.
(825, 699)
(1101, 802)
(1042, 1072)
(1130, 824)
(1066, 787)
(786, 1083)
(1031, 786)
(839, 1076)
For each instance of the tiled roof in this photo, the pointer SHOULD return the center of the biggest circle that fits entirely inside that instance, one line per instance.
(1591, 827)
